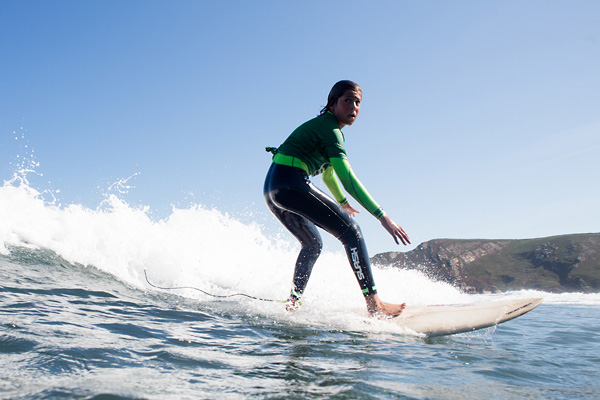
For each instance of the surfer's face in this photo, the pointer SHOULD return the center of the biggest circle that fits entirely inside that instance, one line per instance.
(347, 107)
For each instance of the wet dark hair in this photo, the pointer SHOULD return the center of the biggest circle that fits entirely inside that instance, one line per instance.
(338, 91)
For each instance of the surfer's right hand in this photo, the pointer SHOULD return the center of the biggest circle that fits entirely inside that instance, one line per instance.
(395, 230)
(350, 210)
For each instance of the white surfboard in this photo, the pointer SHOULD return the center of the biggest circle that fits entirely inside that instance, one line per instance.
(439, 320)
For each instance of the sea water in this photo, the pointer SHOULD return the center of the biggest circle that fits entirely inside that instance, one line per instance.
(79, 319)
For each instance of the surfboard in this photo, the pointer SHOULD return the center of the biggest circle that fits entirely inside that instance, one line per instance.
(440, 320)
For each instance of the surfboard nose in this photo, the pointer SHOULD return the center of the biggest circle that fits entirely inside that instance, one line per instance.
(456, 318)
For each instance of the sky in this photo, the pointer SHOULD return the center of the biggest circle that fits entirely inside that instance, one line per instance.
(479, 120)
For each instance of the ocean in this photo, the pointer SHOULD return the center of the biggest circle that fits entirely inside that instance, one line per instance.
(79, 319)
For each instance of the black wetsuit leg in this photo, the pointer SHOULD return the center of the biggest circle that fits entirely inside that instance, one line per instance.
(301, 207)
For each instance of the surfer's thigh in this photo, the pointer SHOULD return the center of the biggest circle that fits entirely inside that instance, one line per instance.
(302, 228)
(320, 209)
(288, 188)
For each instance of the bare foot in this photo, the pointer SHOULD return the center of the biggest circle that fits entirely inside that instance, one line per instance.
(292, 305)
(378, 308)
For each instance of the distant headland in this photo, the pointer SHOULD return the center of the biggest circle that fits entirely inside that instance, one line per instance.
(566, 263)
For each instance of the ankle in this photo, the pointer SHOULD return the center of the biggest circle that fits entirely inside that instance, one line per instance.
(374, 304)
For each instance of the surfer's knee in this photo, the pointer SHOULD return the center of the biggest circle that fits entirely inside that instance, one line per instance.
(312, 250)
(311, 243)
(316, 247)
(351, 235)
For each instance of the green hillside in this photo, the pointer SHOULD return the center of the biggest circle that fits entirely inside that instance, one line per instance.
(566, 263)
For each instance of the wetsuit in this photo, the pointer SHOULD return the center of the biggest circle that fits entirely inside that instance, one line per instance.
(317, 147)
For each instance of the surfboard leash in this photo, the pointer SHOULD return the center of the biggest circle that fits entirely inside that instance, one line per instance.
(210, 294)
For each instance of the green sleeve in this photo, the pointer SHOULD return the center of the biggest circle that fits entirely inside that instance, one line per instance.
(334, 187)
(355, 187)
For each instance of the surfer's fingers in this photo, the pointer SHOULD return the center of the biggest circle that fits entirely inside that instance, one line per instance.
(392, 230)
(402, 239)
(395, 230)
(405, 238)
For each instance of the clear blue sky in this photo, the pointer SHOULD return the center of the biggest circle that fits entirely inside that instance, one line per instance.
(479, 119)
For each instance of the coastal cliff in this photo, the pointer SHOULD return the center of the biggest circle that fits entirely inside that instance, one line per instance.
(566, 263)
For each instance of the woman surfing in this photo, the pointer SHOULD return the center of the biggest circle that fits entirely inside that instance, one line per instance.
(314, 148)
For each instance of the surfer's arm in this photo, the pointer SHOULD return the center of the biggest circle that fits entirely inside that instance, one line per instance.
(356, 189)
(334, 187)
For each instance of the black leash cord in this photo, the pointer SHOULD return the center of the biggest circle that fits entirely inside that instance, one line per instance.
(206, 293)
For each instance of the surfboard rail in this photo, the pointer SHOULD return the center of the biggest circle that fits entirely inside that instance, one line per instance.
(440, 320)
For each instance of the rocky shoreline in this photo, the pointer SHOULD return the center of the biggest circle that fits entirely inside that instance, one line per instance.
(566, 263)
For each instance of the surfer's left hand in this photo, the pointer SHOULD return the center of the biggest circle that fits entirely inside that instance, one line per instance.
(395, 230)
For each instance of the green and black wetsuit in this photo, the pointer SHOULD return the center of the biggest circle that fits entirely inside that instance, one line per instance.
(317, 147)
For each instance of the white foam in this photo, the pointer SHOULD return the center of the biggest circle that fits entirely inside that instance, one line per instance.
(193, 245)
(575, 298)
(207, 249)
